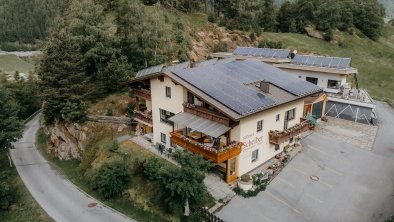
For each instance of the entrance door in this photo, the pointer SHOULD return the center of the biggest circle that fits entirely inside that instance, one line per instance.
(317, 110)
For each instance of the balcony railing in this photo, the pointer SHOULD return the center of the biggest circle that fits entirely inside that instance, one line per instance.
(206, 113)
(208, 152)
(143, 93)
(145, 117)
(278, 137)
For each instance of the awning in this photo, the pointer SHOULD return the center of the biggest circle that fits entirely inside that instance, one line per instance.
(200, 124)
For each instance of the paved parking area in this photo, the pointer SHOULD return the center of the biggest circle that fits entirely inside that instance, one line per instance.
(354, 185)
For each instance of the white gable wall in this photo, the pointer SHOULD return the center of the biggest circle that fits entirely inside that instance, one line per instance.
(254, 140)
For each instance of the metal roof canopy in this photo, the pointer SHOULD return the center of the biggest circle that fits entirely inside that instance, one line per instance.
(200, 124)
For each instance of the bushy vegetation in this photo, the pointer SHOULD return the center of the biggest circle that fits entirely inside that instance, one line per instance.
(111, 178)
(180, 184)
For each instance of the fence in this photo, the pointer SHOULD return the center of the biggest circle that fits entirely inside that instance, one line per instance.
(210, 217)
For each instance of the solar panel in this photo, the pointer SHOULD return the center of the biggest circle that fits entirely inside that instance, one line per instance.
(150, 70)
(183, 65)
(262, 52)
(226, 60)
(326, 61)
(226, 83)
(335, 62)
(318, 61)
(207, 62)
(345, 63)
(321, 61)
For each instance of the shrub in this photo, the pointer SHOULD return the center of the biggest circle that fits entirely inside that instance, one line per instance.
(111, 178)
(271, 44)
(245, 178)
(114, 146)
(152, 167)
(328, 35)
(221, 47)
(211, 18)
(109, 112)
(252, 36)
(6, 195)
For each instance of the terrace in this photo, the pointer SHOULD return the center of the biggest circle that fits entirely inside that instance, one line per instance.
(142, 93)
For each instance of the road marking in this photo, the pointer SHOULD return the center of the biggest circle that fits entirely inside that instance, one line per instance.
(325, 167)
(320, 180)
(288, 205)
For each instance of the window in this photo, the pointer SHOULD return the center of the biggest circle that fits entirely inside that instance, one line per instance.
(165, 115)
(290, 114)
(255, 155)
(168, 92)
(277, 117)
(276, 147)
(172, 144)
(190, 97)
(333, 84)
(312, 80)
(163, 138)
(259, 125)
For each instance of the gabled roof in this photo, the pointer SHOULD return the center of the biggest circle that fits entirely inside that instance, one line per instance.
(229, 85)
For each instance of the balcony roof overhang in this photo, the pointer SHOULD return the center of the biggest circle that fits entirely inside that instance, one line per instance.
(200, 124)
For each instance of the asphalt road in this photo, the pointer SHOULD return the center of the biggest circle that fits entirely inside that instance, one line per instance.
(354, 184)
(62, 200)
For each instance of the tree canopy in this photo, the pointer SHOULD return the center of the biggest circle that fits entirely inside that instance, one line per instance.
(10, 125)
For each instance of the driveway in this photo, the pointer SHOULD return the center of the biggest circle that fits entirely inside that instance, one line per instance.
(354, 184)
(56, 195)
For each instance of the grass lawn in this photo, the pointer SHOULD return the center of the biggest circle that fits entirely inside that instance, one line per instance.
(140, 201)
(27, 209)
(374, 60)
(11, 63)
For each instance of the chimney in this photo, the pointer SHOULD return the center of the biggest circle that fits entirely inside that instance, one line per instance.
(292, 54)
(265, 86)
(192, 63)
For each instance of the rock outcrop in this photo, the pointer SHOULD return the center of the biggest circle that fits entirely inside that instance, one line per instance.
(66, 140)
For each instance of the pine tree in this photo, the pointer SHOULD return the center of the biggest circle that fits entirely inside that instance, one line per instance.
(62, 75)
(10, 125)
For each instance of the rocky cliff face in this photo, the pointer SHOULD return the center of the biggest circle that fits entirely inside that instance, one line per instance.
(67, 140)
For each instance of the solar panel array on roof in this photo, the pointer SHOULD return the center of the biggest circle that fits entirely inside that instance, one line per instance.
(207, 62)
(226, 60)
(182, 65)
(262, 52)
(322, 61)
(150, 70)
(226, 83)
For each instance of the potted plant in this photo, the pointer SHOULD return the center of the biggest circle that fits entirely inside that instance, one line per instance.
(246, 182)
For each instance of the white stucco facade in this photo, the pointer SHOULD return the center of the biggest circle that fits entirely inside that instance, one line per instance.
(161, 101)
(254, 140)
(322, 78)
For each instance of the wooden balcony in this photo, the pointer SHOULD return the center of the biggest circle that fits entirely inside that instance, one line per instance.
(206, 113)
(210, 153)
(142, 93)
(144, 117)
(278, 137)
